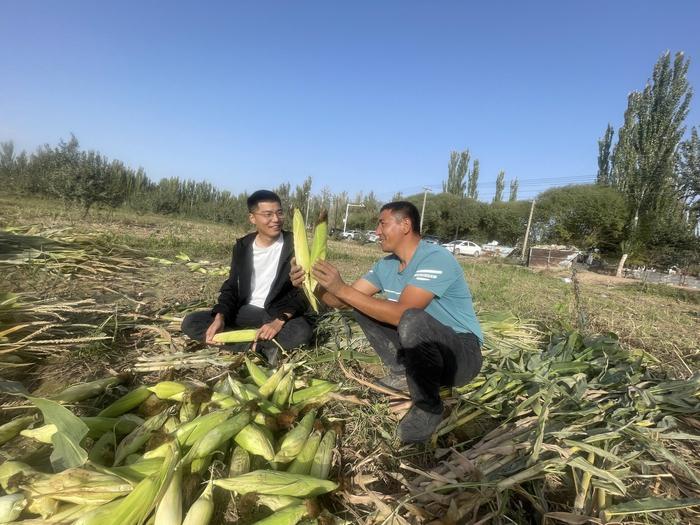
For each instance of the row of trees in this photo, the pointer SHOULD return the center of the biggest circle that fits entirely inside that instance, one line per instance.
(646, 202)
(463, 181)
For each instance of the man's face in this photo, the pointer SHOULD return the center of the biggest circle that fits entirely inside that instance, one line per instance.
(268, 218)
(391, 230)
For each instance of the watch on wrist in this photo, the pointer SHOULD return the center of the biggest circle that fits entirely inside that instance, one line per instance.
(283, 317)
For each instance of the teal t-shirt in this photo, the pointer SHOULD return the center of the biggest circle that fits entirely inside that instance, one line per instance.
(434, 269)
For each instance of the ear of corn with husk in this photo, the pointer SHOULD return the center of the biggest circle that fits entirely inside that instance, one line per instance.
(201, 511)
(236, 336)
(293, 442)
(254, 439)
(277, 483)
(321, 465)
(305, 258)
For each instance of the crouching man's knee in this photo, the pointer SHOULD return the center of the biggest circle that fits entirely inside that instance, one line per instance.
(411, 326)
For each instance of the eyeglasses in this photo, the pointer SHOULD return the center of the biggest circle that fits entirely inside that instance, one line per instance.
(268, 215)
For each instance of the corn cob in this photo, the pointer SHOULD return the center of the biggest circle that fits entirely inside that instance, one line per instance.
(79, 485)
(171, 424)
(302, 463)
(120, 426)
(240, 462)
(312, 392)
(98, 515)
(188, 411)
(13, 471)
(239, 390)
(217, 437)
(224, 401)
(169, 508)
(277, 483)
(189, 433)
(321, 465)
(14, 427)
(254, 440)
(138, 437)
(84, 391)
(168, 390)
(11, 506)
(102, 452)
(201, 511)
(257, 374)
(134, 509)
(318, 247)
(42, 434)
(139, 470)
(271, 384)
(222, 386)
(275, 503)
(236, 336)
(126, 403)
(290, 515)
(302, 255)
(293, 441)
(280, 396)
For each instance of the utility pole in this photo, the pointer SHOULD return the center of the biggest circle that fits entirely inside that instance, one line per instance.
(347, 208)
(422, 212)
(527, 230)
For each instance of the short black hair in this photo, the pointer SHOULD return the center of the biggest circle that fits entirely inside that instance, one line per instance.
(405, 209)
(262, 196)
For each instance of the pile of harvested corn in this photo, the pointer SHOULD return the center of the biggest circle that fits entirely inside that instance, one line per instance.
(256, 434)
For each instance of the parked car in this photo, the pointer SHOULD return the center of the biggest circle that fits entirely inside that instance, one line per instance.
(371, 236)
(462, 247)
(431, 239)
(350, 234)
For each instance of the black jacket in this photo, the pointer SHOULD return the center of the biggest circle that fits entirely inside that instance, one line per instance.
(235, 292)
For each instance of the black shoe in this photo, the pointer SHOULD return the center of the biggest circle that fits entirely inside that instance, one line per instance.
(417, 426)
(394, 381)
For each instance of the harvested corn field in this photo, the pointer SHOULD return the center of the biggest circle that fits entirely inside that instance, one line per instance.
(110, 413)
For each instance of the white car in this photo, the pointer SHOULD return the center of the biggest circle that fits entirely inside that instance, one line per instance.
(371, 236)
(463, 248)
(350, 234)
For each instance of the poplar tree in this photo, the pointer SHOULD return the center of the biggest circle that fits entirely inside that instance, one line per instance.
(645, 155)
(456, 172)
(472, 191)
(500, 186)
(513, 190)
(604, 146)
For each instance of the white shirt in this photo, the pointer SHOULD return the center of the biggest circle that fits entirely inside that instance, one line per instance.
(265, 262)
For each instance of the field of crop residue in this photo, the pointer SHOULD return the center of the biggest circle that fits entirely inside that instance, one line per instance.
(586, 410)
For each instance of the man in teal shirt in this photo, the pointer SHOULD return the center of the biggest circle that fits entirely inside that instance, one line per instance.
(425, 329)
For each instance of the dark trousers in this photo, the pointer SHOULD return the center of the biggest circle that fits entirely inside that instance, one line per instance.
(428, 352)
(295, 332)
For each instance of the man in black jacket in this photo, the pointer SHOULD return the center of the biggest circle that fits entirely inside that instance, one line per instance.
(258, 293)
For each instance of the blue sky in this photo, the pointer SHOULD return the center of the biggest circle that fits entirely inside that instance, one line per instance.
(358, 95)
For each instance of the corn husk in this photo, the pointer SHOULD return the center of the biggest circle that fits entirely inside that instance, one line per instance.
(321, 465)
(202, 510)
(236, 336)
(254, 439)
(277, 483)
(293, 442)
(126, 403)
(11, 506)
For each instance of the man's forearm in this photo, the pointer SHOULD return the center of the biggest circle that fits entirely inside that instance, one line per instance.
(379, 309)
(329, 299)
